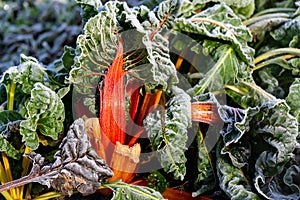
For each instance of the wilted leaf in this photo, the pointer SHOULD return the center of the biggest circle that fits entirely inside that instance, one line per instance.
(76, 166)
(167, 131)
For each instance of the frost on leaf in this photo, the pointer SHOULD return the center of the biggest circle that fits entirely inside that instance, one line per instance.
(76, 166)
(167, 131)
(45, 115)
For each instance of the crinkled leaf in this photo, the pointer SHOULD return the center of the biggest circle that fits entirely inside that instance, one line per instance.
(9, 149)
(160, 70)
(76, 165)
(96, 48)
(232, 179)
(270, 83)
(27, 74)
(132, 192)
(45, 115)
(272, 142)
(293, 99)
(220, 22)
(167, 131)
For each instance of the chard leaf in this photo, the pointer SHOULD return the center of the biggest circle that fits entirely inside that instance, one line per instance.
(232, 179)
(287, 31)
(45, 115)
(27, 74)
(162, 70)
(167, 131)
(9, 125)
(227, 69)
(96, 49)
(132, 192)
(9, 149)
(76, 166)
(206, 179)
(89, 9)
(280, 131)
(271, 143)
(220, 22)
(248, 94)
(293, 99)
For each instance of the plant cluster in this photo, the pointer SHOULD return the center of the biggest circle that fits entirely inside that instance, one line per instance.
(208, 89)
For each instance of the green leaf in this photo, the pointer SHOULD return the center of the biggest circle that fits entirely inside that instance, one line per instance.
(95, 51)
(286, 32)
(45, 115)
(96, 48)
(270, 133)
(167, 131)
(206, 179)
(27, 74)
(293, 99)
(220, 22)
(8, 118)
(232, 179)
(227, 69)
(131, 192)
(248, 94)
(159, 70)
(157, 181)
(9, 149)
(89, 9)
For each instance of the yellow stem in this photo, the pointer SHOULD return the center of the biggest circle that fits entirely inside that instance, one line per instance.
(48, 195)
(8, 174)
(293, 51)
(25, 165)
(11, 96)
(271, 61)
(3, 180)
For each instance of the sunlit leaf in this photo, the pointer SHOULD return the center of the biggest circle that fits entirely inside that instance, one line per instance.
(45, 115)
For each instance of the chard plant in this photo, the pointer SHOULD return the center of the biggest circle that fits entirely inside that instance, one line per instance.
(159, 99)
